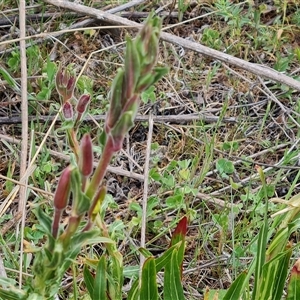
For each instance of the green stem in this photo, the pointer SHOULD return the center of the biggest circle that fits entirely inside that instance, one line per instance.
(71, 133)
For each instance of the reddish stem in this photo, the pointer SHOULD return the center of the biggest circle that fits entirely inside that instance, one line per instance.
(56, 222)
(100, 170)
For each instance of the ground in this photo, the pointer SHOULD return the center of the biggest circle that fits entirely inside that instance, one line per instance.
(205, 167)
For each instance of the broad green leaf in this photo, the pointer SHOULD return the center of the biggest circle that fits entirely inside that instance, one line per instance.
(237, 287)
(88, 280)
(165, 258)
(224, 166)
(172, 281)
(148, 281)
(160, 263)
(100, 280)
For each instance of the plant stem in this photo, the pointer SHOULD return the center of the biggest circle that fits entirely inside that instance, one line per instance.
(100, 170)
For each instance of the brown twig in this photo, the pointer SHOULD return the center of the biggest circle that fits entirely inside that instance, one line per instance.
(24, 146)
(114, 170)
(145, 192)
(142, 118)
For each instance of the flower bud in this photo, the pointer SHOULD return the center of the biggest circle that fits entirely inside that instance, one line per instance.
(116, 96)
(62, 193)
(65, 84)
(86, 159)
(82, 104)
(120, 129)
(67, 110)
(132, 68)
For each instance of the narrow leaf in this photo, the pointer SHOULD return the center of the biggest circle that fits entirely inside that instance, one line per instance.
(172, 282)
(100, 280)
(134, 291)
(260, 258)
(165, 258)
(148, 281)
(88, 280)
(236, 288)
(179, 236)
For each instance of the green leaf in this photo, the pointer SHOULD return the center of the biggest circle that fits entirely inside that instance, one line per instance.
(88, 237)
(132, 67)
(115, 99)
(124, 123)
(260, 257)
(224, 166)
(172, 283)
(100, 280)
(44, 220)
(102, 139)
(10, 80)
(237, 287)
(165, 258)
(148, 95)
(145, 252)
(175, 200)
(51, 70)
(159, 72)
(12, 293)
(44, 94)
(81, 202)
(148, 282)
(179, 236)
(145, 82)
(278, 277)
(88, 280)
(57, 256)
(134, 291)
(115, 280)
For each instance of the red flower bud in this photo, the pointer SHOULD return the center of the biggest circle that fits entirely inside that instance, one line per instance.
(67, 110)
(71, 83)
(62, 193)
(65, 84)
(86, 158)
(82, 104)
